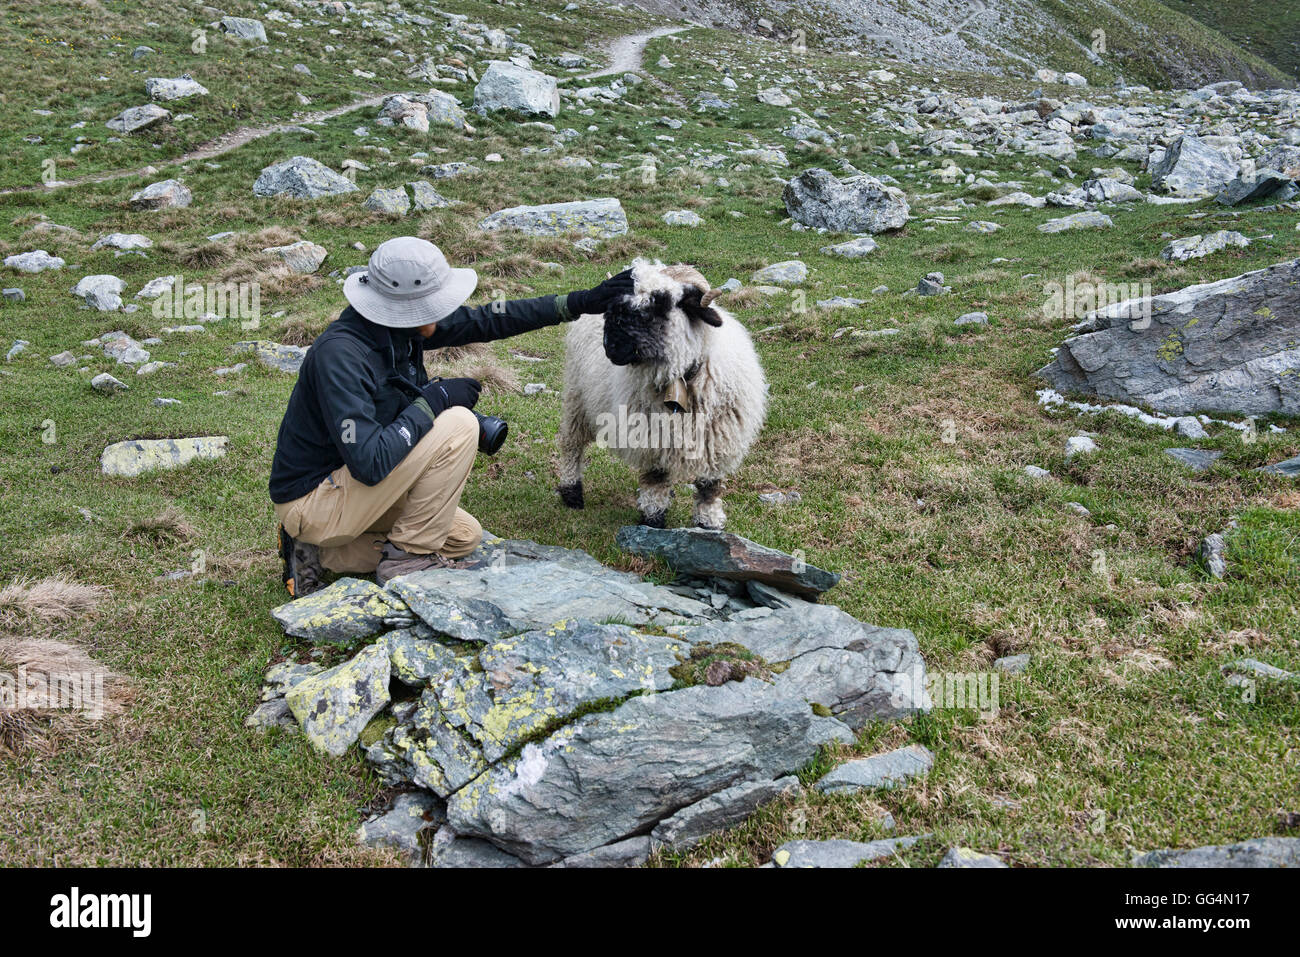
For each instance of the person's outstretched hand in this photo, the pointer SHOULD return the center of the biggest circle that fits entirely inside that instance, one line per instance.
(583, 302)
(442, 394)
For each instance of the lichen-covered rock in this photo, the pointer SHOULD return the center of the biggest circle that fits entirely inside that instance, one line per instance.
(165, 88)
(424, 197)
(137, 456)
(522, 595)
(855, 671)
(599, 218)
(1195, 247)
(403, 826)
(138, 118)
(419, 661)
(632, 767)
(302, 257)
(302, 178)
(274, 355)
(709, 553)
(243, 28)
(390, 202)
(529, 681)
(860, 204)
(345, 611)
(170, 193)
(791, 272)
(853, 249)
(1260, 852)
(965, 857)
(334, 706)
(1227, 346)
(508, 86)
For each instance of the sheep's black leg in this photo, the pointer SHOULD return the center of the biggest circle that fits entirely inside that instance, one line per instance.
(709, 512)
(571, 495)
(654, 497)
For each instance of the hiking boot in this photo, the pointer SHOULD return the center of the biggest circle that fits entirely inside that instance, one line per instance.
(303, 573)
(397, 562)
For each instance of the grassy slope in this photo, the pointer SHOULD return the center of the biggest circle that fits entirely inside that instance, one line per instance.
(1123, 710)
(1269, 28)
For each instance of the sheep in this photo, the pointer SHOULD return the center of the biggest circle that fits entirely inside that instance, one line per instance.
(670, 384)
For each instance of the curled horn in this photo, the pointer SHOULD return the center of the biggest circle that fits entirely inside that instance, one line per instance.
(709, 296)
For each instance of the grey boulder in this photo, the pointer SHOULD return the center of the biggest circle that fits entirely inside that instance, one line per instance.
(302, 178)
(860, 204)
(508, 86)
(1260, 852)
(1227, 346)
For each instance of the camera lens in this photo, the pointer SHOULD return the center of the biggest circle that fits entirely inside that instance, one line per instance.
(491, 433)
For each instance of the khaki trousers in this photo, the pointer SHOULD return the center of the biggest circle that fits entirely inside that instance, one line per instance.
(416, 506)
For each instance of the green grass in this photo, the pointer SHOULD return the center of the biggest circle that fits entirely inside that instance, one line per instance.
(1123, 717)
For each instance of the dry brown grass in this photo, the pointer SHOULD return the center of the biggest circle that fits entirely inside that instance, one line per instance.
(169, 525)
(37, 605)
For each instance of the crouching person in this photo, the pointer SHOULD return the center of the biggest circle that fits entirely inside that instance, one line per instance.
(372, 457)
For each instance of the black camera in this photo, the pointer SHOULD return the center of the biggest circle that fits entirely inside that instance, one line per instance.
(491, 433)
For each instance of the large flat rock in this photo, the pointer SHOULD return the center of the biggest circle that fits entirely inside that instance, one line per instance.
(1229, 346)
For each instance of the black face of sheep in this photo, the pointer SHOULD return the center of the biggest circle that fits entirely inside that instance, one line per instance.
(636, 327)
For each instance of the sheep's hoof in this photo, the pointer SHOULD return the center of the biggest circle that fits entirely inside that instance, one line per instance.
(571, 495)
(655, 519)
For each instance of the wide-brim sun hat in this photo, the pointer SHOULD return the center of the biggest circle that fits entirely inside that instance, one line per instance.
(408, 283)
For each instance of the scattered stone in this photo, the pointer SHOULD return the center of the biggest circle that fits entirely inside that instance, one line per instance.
(1088, 220)
(965, 857)
(37, 260)
(890, 770)
(274, 355)
(123, 241)
(136, 456)
(1191, 167)
(682, 217)
(1213, 553)
(1288, 468)
(243, 28)
(853, 249)
(400, 827)
(138, 118)
(161, 88)
(1198, 460)
(302, 178)
(508, 86)
(424, 197)
(860, 204)
(167, 194)
(1260, 852)
(1079, 445)
(107, 384)
(1012, 664)
(837, 853)
(103, 293)
(596, 218)
(1194, 247)
(972, 319)
(792, 272)
(302, 257)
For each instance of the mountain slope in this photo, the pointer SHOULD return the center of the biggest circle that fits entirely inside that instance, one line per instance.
(1140, 40)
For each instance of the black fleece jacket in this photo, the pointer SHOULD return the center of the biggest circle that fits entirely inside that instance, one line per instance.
(357, 400)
